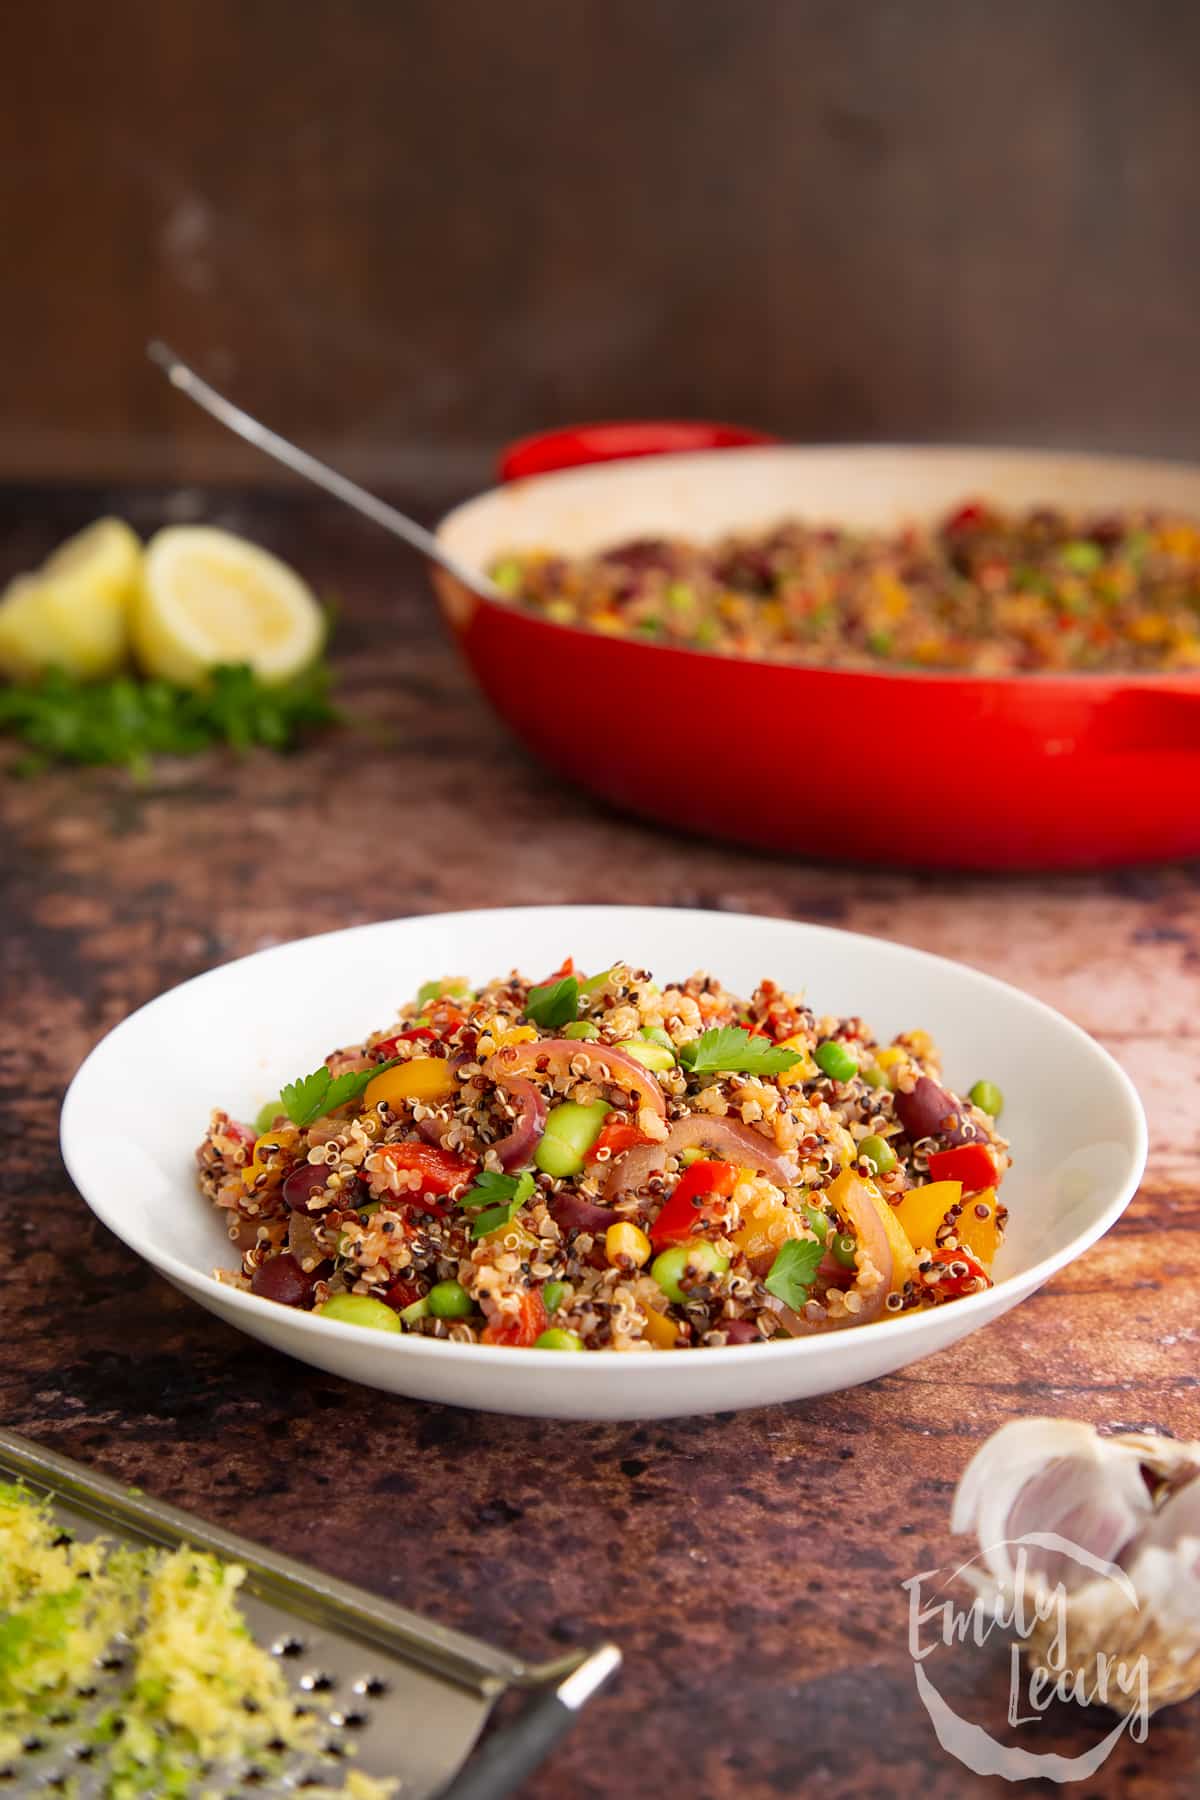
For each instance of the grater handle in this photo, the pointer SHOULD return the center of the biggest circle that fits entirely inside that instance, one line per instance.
(512, 1753)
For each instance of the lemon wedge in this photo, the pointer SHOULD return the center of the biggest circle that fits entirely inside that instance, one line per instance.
(74, 612)
(209, 597)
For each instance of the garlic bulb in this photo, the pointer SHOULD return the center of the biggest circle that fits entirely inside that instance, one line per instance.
(1100, 1537)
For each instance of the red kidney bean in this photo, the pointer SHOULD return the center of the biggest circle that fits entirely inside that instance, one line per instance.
(283, 1280)
(302, 1184)
(929, 1111)
(738, 1331)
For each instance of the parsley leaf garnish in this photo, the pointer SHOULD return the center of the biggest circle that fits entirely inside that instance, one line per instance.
(494, 1199)
(555, 1003)
(794, 1271)
(312, 1096)
(730, 1050)
(130, 722)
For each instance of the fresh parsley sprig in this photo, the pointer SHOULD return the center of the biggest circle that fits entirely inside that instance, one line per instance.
(554, 1003)
(130, 722)
(794, 1270)
(731, 1050)
(312, 1096)
(495, 1199)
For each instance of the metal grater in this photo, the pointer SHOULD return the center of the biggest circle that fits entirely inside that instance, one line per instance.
(401, 1697)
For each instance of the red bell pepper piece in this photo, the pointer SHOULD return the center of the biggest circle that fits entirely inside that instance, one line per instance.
(681, 1218)
(388, 1047)
(439, 1170)
(961, 1284)
(521, 1328)
(402, 1293)
(616, 1139)
(972, 1164)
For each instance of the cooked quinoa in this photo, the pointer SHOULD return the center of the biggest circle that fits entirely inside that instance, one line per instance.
(611, 1164)
(992, 592)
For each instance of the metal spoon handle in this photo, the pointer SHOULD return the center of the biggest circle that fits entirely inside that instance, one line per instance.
(185, 378)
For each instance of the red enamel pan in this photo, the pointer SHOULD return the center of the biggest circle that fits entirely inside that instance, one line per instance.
(920, 769)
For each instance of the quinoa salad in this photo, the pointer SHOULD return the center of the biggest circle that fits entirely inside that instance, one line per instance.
(604, 1163)
(987, 591)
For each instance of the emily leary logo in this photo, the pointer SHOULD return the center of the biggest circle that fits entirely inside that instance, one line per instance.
(1033, 1614)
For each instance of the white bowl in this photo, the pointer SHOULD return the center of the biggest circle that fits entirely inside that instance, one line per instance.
(139, 1105)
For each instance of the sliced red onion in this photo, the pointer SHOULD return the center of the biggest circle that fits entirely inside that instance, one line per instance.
(571, 1212)
(726, 1138)
(518, 1147)
(302, 1238)
(555, 1056)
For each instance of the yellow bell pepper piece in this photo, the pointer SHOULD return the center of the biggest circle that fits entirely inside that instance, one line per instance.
(804, 1070)
(766, 1225)
(659, 1330)
(265, 1157)
(923, 1208)
(904, 1261)
(427, 1078)
(981, 1236)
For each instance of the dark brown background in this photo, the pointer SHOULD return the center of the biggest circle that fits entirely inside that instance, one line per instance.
(410, 228)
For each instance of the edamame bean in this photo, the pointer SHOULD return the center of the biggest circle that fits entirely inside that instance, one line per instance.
(671, 1265)
(878, 1151)
(651, 1056)
(571, 1130)
(835, 1060)
(581, 1028)
(985, 1095)
(360, 1309)
(450, 1300)
(553, 1295)
(558, 1339)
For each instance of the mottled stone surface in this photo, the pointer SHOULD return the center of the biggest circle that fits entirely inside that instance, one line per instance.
(749, 1565)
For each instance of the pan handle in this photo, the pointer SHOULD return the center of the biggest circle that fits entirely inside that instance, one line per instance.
(572, 446)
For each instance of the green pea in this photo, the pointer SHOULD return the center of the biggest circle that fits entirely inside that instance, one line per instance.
(874, 1076)
(450, 1300)
(679, 596)
(508, 576)
(582, 1028)
(558, 1339)
(987, 1097)
(553, 1295)
(879, 643)
(877, 1150)
(420, 1309)
(360, 1309)
(654, 1034)
(264, 1119)
(819, 1222)
(669, 1266)
(833, 1058)
(650, 627)
(651, 1056)
(570, 1132)
(844, 1248)
(1081, 556)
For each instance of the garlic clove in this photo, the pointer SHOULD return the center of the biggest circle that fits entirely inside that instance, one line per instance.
(1056, 1478)
(1164, 1563)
